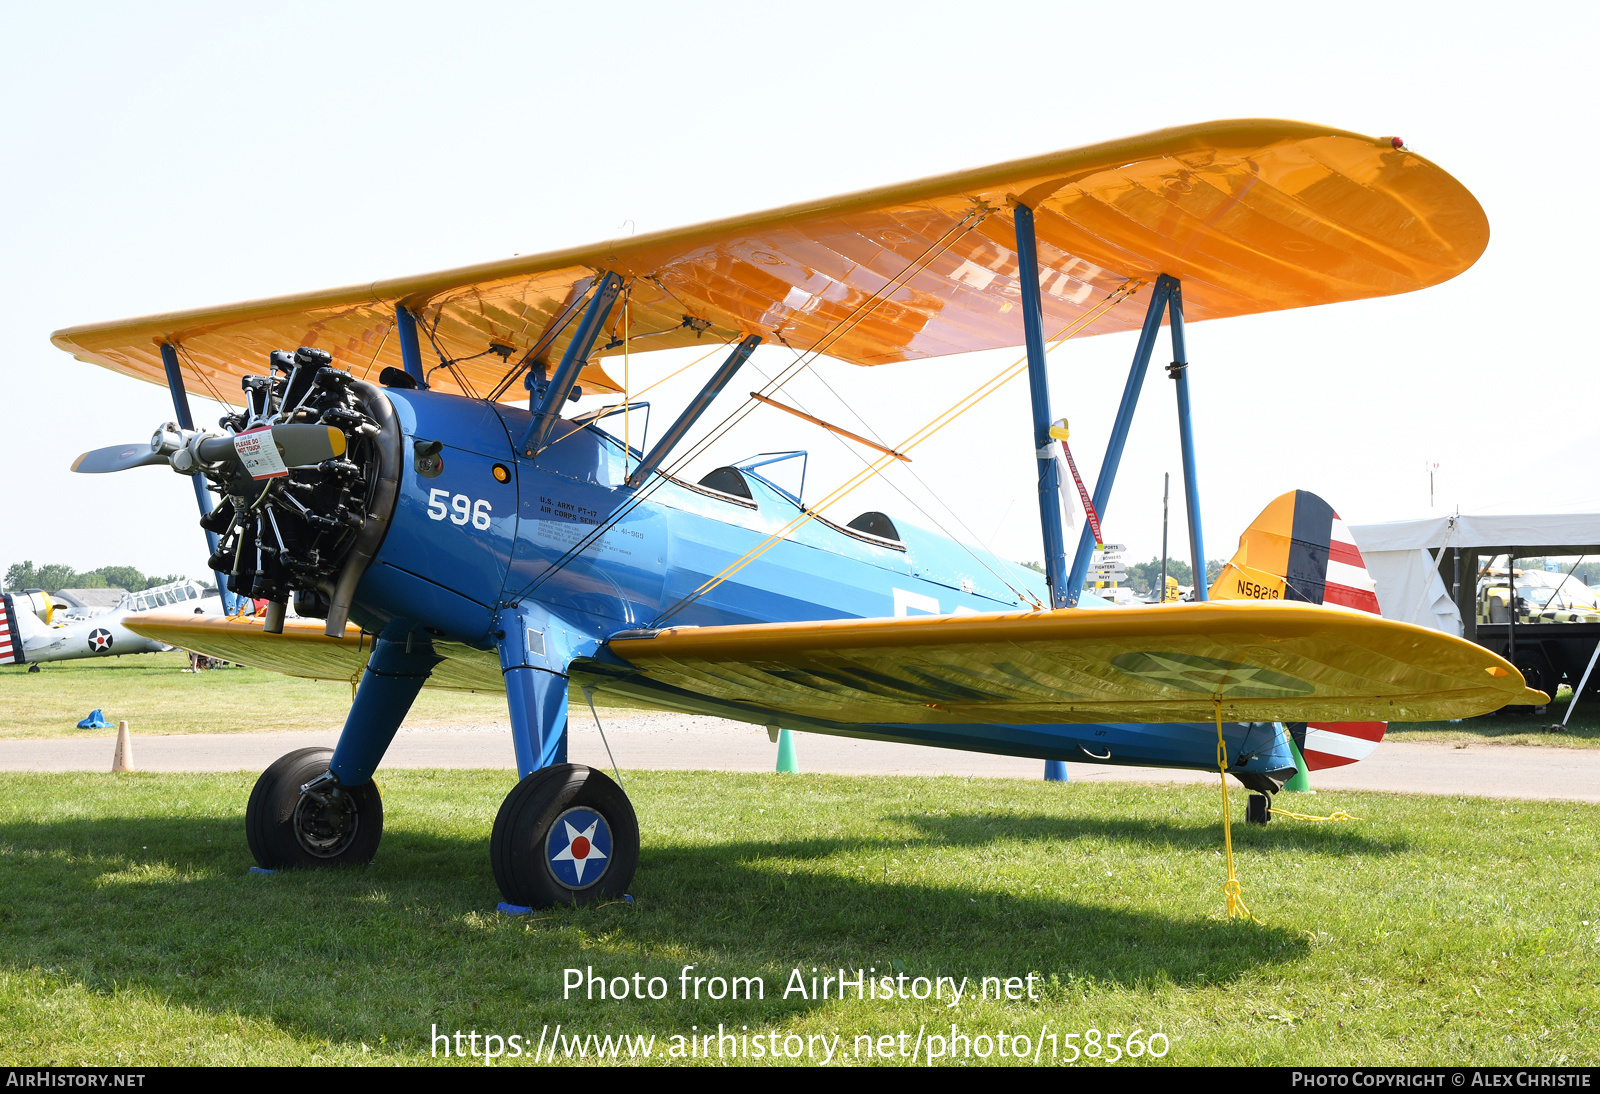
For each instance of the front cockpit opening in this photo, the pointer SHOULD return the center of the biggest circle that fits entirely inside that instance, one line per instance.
(728, 480)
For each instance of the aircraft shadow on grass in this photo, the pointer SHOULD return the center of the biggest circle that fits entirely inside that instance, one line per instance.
(1286, 835)
(96, 901)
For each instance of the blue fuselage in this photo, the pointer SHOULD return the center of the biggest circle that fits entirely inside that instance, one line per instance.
(465, 547)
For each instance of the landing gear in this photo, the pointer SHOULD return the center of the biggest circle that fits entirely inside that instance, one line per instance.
(565, 835)
(323, 825)
(1541, 676)
(1258, 809)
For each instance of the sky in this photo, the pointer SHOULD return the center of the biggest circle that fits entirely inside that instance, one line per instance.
(168, 156)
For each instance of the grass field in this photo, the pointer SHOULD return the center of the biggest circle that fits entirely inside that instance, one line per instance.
(1582, 731)
(154, 694)
(1433, 930)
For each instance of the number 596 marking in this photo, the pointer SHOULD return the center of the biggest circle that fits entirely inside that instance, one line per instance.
(460, 509)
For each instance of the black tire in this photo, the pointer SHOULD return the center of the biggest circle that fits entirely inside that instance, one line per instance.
(333, 826)
(1539, 675)
(1258, 809)
(534, 868)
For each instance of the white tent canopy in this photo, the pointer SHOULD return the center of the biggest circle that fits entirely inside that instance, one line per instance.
(1400, 555)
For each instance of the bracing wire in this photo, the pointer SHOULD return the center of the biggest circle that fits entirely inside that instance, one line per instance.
(588, 694)
(1021, 592)
(642, 392)
(445, 362)
(553, 330)
(961, 406)
(384, 341)
(966, 224)
(194, 366)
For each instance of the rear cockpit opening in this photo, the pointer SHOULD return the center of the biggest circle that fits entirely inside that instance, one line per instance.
(876, 524)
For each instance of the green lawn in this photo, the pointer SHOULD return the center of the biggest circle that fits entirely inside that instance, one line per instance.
(1582, 730)
(1433, 930)
(156, 696)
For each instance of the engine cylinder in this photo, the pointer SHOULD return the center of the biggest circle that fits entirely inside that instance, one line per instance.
(293, 534)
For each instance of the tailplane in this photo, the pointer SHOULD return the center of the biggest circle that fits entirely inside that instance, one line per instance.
(1299, 549)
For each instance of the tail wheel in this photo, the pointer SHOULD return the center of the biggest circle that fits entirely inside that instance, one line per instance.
(564, 835)
(1258, 809)
(327, 825)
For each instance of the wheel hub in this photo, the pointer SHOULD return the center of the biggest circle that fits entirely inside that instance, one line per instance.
(578, 848)
(325, 824)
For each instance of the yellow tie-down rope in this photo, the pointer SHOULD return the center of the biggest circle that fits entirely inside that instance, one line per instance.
(1231, 888)
(1336, 815)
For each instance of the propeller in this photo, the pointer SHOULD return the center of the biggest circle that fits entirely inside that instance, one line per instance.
(117, 458)
(299, 445)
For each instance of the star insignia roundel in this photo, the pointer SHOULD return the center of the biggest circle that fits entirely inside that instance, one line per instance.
(578, 848)
(1231, 680)
(99, 640)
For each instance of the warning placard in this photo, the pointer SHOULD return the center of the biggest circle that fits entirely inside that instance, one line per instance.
(258, 454)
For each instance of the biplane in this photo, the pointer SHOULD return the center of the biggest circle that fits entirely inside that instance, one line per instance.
(408, 470)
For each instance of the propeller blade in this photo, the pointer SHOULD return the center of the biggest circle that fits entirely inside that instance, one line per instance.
(308, 444)
(300, 445)
(117, 458)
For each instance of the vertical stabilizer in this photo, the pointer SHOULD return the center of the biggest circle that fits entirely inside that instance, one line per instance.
(1299, 549)
(10, 638)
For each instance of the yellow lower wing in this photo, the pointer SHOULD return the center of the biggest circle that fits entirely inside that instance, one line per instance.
(303, 650)
(1264, 662)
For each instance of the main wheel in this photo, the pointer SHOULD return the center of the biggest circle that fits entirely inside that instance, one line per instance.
(564, 835)
(329, 825)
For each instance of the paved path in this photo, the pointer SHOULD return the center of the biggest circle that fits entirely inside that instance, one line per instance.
(656, 741)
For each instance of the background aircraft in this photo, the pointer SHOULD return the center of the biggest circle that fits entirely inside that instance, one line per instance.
(25, 638)
(488, 545)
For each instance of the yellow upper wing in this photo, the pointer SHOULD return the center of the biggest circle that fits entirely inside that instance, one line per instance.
(1252, 215)
(1264, 662)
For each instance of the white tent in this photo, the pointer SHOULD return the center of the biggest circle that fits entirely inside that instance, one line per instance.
(1399, 558)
